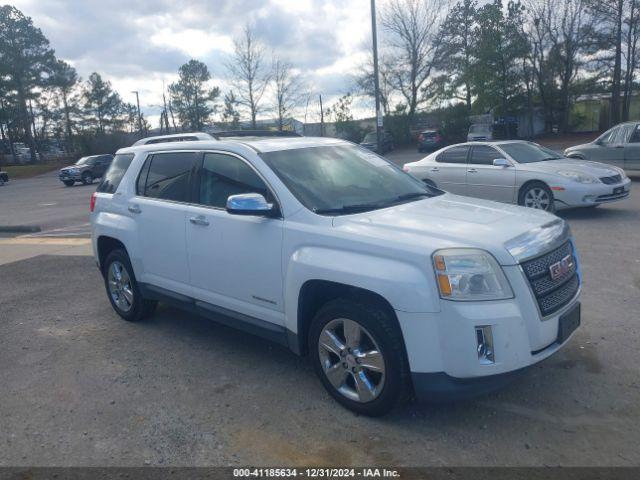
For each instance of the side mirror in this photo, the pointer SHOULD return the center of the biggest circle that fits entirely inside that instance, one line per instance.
(249, 204)
(501, 162)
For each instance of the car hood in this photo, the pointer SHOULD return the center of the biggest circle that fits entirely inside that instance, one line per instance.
(450, 221)
(79, 167)
(578, 147)
(588, 167)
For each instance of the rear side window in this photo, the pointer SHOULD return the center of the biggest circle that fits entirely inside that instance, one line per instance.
(635, 136)
(483, 155)
(166, 176)
(224, 175)
(115, 173)
(454, 155)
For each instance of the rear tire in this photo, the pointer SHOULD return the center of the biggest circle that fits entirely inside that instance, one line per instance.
(122, 288)
(537, 195)
(69, 183)
(372, 389)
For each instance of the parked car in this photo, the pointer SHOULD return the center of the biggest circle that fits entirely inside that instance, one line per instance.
(391, 287)
(521, 172)
(619, 146)
(85, 170)
(4, 177)
(370, 142)
(429, 140)
(480, 132)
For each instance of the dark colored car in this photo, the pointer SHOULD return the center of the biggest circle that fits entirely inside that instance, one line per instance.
(4, 177)
(430, 140)
(370, 141)
(85, 170)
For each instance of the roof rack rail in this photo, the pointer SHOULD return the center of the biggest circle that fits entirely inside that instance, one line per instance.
(176, 137)
(255, 133)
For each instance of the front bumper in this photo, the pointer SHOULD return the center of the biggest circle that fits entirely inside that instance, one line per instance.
(65, 176)
(442, 346)
(587, 195)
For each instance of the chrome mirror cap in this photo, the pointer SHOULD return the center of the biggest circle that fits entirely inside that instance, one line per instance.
(501, 162)
(249, 204)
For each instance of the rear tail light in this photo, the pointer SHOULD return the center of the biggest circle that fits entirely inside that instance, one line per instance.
(421, 137)
(92, 203)
(438, 138)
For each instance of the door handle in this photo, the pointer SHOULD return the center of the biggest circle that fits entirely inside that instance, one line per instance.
(134, 209)
(199, 220)
(472, 170)
(435, 169)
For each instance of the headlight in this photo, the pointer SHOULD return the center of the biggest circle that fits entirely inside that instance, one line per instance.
(578, 177)
(465, 274)
(622, 173)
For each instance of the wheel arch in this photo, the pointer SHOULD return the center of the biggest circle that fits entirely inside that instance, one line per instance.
(105, 246)
(528, 183)
(316, 293)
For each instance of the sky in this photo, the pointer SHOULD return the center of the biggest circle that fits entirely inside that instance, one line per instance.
(139, 44)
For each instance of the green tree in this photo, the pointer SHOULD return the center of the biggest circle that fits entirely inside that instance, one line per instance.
(26, 62)
(499, 49)
(230, 114)
(191, 97)
(456, 55)
(102, 106)
(65, 79)
(341, 114)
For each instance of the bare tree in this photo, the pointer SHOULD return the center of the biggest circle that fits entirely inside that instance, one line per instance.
(364, 82)
(288, 90)
(413, 27)
(249, 76)
(631, 53)
(562, 29)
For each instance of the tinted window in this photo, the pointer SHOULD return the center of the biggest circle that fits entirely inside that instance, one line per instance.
(454, 155)
(483, 155)
(223, 175)
(115, 173)
(168, 176)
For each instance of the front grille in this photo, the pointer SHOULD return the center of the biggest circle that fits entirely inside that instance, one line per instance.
(611, 180)
(552, 294)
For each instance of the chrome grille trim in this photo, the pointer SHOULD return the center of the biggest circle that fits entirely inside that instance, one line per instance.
(552, 294)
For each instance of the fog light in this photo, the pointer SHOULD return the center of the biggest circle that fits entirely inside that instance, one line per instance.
(589, 198)
(484, 338)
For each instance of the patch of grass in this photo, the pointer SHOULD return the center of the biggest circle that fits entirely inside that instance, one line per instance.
(27, 171)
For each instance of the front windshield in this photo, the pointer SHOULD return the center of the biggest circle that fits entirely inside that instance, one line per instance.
(478, 128)
(343, 179)
(83, 161)
(529, 152)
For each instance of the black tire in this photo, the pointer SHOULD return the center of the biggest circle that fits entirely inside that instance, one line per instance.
(140, 306)
(384, 330)
(69, 183)
(532, 186)
(87, 178)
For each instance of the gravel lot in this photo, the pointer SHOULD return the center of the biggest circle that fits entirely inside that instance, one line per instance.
(79, 386)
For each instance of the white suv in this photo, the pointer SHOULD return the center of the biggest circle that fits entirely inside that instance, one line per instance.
(392, 287)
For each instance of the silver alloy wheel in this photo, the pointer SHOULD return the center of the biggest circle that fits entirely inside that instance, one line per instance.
(537, 197)
(120, 286)
(351, 360)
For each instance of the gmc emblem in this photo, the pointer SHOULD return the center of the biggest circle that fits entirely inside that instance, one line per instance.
(561, 268)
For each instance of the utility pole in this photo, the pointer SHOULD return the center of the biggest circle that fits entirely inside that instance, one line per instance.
(321, 118)
(139, 114)
(375, 78)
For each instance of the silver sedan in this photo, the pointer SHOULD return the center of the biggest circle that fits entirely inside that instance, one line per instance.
(523, 173)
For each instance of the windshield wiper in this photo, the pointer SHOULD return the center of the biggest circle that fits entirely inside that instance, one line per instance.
(364, 207)
(412, 195)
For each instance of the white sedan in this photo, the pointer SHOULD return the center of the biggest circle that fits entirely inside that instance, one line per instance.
(523, 173)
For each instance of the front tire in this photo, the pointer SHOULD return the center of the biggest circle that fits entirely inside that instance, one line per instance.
(358, 352)
(122, 288)
(537, 195)
(69, 183)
